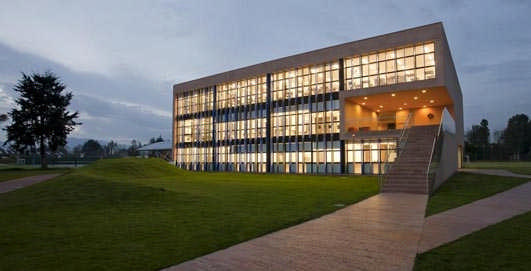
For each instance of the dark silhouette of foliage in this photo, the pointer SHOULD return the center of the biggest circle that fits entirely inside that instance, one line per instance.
(92, 148)
(517, 136)
(41, 121)
(478, 140)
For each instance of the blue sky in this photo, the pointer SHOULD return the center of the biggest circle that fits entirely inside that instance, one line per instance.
(120, 58)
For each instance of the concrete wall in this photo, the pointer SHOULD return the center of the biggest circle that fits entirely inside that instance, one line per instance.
(420, 116)
(448, 162)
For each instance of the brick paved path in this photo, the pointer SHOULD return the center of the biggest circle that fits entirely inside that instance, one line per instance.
(455, 223)
(15, 184)
(379, 233)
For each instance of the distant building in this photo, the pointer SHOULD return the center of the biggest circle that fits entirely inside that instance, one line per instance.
(344, 109)
(159, 150)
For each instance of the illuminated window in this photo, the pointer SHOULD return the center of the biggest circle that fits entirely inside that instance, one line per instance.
(390, 66)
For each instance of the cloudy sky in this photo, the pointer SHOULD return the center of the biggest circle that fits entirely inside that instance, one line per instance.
(120, 58)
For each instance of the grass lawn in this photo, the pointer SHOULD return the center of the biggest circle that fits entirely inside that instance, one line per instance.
(463, 188)
(503, 246)
(144, 214)
(10, 173)
(515, 167)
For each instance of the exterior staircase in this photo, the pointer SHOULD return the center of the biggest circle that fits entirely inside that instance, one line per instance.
(409, 173)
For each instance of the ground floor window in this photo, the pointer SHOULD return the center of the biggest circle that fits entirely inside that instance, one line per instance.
(369, 157)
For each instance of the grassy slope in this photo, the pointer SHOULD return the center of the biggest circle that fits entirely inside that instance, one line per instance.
(503, 246)
(141, 214)
(464, 188)
(515, 167)
(15, 173)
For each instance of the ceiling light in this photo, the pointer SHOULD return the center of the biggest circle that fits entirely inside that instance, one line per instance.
(424, 106)
(381, 106)
(432, 101)
(393, 94)
(423, 91)
(363, 103)
(405, 103)
(415, 98)
(400, 108)
(378, 110)
(365, 98)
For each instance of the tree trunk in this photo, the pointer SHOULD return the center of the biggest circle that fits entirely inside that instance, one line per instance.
(44, 162)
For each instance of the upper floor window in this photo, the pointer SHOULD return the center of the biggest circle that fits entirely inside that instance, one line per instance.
(392, 66)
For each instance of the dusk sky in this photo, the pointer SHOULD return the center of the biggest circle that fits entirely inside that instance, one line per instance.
(121, 59)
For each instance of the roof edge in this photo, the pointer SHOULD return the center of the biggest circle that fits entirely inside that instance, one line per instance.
(183, 86)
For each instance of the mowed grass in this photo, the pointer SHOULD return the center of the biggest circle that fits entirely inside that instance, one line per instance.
(144, 214)
(503, 246)
(464, 188)
(515, 167)
(10, 173)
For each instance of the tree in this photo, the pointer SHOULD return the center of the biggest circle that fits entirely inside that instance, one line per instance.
(77, 151)
(41, 120)
(478, 140)
(516, 136)
(92, 148)
(156, 140)
(133, 149)
(111, 148)
(3, 117)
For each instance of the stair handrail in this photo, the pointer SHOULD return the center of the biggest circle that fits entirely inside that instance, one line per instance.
(401, 144)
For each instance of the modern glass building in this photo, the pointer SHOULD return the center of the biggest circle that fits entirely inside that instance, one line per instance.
(337, 110)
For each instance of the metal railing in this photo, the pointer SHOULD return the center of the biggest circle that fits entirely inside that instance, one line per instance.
(401, 145)
(375, 123)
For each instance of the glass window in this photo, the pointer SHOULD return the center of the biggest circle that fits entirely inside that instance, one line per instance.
(378, 69)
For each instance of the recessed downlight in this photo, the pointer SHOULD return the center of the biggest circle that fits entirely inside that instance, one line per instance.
(424, 106)
(381, 106)
(423, 91)
(393, 94)
(363, 103)
(405, 103)
(415, 98)
(400, 108)
(432, 101)
(365, 98)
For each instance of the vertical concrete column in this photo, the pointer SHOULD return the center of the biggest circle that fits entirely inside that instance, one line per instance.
(268, 123)
(342, 142)
(214, 121)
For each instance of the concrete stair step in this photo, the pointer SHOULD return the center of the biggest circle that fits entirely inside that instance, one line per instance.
(408, 173)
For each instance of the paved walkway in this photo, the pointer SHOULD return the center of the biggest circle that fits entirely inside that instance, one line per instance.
(456, 223)
(497, 172)
(379, 233)
(15, 184)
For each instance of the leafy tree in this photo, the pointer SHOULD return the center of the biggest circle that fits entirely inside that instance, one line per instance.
(111, 148)
(517, 135)
(77, 151)
(156, 140)
(92, 148)
(133, 149)
(478, 140)
(3, 117)
(41, 120)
